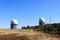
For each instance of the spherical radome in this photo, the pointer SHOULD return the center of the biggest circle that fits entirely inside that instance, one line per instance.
(42, 19)
(14, 21)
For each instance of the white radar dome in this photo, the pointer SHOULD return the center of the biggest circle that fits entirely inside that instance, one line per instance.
(14, 21)
(42, 20)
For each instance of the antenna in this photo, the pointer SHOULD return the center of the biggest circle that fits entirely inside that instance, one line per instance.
(50, 17)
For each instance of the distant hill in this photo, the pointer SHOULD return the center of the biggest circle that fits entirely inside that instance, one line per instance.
(42, 32)
(48, 28)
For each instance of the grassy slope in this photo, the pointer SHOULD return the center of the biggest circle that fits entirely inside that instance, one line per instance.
(25, 34)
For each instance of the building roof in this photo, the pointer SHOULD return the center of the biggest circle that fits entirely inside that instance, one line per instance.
(14, 21)
(42, 20)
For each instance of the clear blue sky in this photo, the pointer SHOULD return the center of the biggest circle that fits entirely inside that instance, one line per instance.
(28, 12)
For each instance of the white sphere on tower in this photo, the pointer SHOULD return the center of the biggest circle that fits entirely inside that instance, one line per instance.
(14, 21)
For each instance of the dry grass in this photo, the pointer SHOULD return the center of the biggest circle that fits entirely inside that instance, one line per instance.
(25, 35)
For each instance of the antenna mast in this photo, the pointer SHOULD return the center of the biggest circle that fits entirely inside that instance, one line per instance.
(50, 17)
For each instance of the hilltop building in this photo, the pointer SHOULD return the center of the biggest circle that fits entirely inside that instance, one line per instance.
(14, 24)
(41, 21)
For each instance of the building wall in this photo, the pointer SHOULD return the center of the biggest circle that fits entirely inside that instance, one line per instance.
(41, 23)
(13, 26)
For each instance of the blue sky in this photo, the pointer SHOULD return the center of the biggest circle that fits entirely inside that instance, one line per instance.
(28, 12)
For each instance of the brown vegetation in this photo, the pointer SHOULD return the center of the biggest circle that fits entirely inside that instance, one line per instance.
(25, 34)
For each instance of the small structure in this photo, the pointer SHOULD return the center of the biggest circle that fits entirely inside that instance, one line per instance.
(41, 21)
(14, 24)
